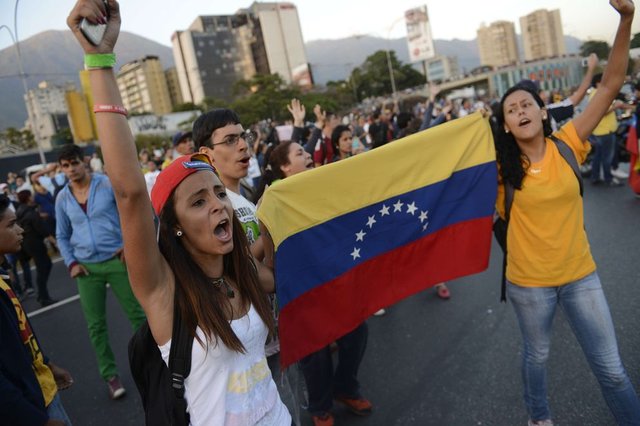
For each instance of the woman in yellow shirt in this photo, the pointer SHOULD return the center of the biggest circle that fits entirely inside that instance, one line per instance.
(549, 261)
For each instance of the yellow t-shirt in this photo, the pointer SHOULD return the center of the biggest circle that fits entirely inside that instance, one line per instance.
(42, 370)
(608, 123)
(547, 243)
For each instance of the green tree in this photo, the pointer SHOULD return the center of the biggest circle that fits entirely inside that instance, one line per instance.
(62, 137)
(263, 96)
(209, 103)
(372, 77)
(22, 140)
(150, 142)
(600, 48)
(28, 140)
(635, 41)
(187, 106)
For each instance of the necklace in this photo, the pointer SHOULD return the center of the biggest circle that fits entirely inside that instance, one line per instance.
(219, 282)
(535, 171)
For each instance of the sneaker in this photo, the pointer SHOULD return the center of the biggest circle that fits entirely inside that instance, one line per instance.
(614, 182)
(379, 312)
(359, 406)
(620, 174)
(116, 390)
(47, 302)
(547, 422)
(324, 420)
(30, 291)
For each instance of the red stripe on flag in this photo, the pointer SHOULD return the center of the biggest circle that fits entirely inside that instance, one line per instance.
(331, 310)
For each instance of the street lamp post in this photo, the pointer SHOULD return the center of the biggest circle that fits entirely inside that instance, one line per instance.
(389, 65)
(23, 77)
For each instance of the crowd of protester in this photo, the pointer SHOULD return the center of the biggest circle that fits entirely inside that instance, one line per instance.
(94, 213)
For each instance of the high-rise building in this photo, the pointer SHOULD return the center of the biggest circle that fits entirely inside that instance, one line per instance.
(217, 51)
(280, 47)
(173, 85)
(542, 35)
(143, 86)
(497, 44)
(47, 109)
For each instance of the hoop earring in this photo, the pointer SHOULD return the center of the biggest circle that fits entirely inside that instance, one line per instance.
(179, 233)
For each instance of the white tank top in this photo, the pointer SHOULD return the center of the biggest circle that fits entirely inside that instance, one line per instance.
(230, 388)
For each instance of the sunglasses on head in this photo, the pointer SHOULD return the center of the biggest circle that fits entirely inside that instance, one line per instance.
(199, 161)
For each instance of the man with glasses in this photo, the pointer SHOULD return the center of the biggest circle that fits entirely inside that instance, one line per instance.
(219, 135)
(90, 241)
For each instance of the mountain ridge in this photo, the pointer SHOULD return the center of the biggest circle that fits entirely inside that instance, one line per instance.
(55, 56)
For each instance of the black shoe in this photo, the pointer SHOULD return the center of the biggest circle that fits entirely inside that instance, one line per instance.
(597, 182)
(30, 291)
(614, 182)
(47, 302)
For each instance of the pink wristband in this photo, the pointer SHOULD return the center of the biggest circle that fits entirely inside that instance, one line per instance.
(117, 109)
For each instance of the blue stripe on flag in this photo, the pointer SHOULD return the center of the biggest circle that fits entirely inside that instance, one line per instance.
(345, 241)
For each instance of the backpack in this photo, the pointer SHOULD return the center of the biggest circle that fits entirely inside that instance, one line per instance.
(500, 225)
(161, 388)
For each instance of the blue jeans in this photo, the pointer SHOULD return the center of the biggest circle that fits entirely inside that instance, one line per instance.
(323, 383)
(603, 156)
(55, 410)
(586, 310)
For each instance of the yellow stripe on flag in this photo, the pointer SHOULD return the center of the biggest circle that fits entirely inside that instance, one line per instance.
(316, 196)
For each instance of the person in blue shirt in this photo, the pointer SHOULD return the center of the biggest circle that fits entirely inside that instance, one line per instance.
(90, 241)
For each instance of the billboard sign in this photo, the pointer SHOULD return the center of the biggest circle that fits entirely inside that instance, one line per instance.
(419, 34)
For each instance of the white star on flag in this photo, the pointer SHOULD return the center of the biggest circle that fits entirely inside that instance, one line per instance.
(355, 253)
(424, 216)
(384, 210)
(371, 221)
(360, 235)
(411, 208)
(424, 227)
(397, 207)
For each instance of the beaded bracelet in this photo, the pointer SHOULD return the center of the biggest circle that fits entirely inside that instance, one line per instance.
(116, 109)
(99, 60)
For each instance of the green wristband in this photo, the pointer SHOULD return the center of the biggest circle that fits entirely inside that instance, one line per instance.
(99, 60)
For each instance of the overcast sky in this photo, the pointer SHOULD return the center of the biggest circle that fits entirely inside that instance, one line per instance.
(327, 19)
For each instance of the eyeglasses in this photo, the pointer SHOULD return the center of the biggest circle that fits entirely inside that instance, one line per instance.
(232, 140)
(199, 161)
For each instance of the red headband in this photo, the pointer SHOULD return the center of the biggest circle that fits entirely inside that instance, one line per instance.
(171, 176)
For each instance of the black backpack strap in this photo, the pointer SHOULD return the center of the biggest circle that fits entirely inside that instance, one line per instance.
(509, 193)
(569, 157)
(180, 361)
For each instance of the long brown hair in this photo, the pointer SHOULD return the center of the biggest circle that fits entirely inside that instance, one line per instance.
(199, 302)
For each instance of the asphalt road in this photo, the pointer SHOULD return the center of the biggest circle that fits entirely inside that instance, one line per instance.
(428, 362)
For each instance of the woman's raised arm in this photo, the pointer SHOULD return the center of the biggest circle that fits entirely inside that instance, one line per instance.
(150, 276)
(614, 73)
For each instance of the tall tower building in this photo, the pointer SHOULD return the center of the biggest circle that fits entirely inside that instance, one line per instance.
(217, 51)
(143, 86)
(542, 34)
(279, 46)
(497, 44)
(212, 55)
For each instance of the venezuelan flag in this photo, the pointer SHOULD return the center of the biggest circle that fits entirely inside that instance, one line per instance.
(354, 236)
